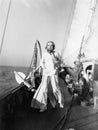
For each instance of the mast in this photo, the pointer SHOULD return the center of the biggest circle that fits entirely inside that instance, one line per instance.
(5, 26)
(80, 51)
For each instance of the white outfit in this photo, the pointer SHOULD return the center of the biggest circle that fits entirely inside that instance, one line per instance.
(49, 82)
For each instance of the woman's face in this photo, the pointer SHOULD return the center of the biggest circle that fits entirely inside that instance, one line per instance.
(50, 47)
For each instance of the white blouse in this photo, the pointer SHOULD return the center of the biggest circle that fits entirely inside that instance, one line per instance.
(48, 64)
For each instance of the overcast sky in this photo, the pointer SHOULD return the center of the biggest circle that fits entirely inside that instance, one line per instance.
(31, 20)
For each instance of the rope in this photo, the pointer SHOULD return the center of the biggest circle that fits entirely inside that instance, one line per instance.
(4, 31)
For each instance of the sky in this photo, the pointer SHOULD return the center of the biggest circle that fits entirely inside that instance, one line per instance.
(43, 20)
(31, 20)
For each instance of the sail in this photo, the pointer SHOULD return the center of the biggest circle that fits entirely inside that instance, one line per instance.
(80, 28)
(37, 54)
(30, 21)
(91, 48)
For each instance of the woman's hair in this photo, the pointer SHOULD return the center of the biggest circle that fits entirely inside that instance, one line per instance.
(53, 44)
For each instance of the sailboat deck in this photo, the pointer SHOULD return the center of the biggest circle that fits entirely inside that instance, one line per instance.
(80, 118)
(26, 118)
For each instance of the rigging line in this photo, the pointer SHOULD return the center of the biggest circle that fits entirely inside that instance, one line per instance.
(67, 31)
(80, 50)
(6, 21)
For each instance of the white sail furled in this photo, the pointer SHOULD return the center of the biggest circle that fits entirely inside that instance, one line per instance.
(80, 29)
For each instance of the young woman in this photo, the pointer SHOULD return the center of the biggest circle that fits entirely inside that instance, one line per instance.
(50, 64)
